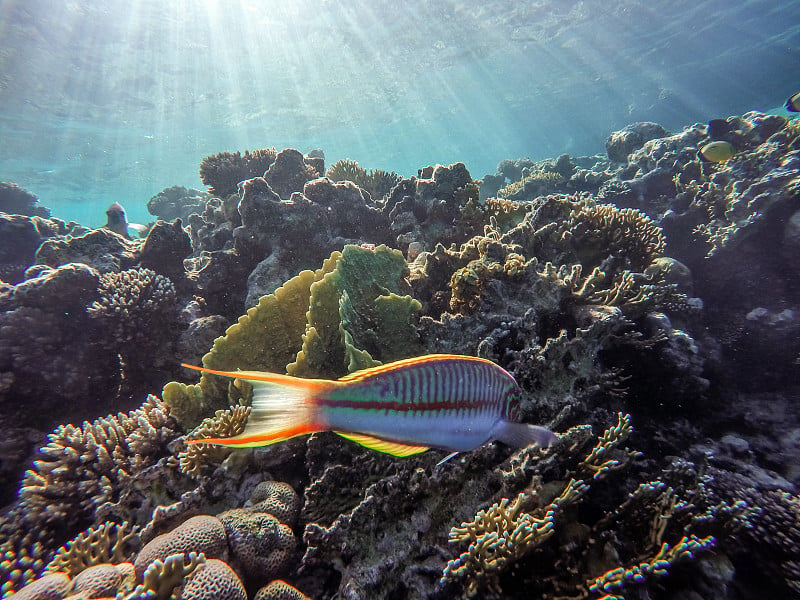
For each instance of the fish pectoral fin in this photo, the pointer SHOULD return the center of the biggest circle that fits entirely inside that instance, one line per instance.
(393, 448)
(522, 435)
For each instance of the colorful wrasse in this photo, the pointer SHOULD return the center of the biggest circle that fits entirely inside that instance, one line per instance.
(455, 403)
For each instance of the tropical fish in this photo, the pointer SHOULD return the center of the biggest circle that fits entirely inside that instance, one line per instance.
(444, 401)
(793, 103)
(117, 221)
(716, 152)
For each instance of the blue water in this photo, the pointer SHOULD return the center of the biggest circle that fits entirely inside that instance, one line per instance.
(116, 100)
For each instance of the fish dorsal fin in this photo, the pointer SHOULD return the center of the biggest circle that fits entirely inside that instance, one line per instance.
(380, 445)
(408, 362)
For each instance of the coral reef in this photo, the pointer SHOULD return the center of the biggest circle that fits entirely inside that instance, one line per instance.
(15, 200)
(640, 287)
(177, 202)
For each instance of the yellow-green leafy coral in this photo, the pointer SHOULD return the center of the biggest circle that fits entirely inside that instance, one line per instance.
(358, 315)
(346, 316)
(266, 338)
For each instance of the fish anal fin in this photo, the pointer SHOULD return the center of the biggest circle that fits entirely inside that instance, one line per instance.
(393, 448)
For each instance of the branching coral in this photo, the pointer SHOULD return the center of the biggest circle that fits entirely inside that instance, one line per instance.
(106, 543)
(128, 299)
(504, 533)
(162, 576)
(80, 470)
(225, 423)
(377, 182)
(625, 233)
(223, 172)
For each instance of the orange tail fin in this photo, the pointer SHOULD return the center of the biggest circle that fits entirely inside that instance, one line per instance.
(283, 407)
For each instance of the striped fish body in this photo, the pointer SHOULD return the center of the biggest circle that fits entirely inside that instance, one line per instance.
(440, 401)
(445, 401)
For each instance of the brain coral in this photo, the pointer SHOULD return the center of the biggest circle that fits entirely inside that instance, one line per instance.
(201, 534)
(213, 581)
(279, 590)
(276, 498)
(261, 546)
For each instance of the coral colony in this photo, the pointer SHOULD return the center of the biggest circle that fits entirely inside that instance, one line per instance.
(628, 294)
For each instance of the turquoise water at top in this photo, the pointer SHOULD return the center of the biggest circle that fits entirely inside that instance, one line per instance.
(114, 101)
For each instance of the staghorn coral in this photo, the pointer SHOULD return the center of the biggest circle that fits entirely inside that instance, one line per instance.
(624, 579)
(105, 543)
(377, 182)
(161, 577)
(503, 533)
(626, 234)
(223, 172)
(128, 299)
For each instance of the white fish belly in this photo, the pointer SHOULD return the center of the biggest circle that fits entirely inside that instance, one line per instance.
(449, 430)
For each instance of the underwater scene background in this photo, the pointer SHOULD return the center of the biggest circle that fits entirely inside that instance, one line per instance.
(599, 197)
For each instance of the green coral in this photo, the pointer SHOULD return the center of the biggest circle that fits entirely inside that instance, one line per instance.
(358, 315)
(345, 316)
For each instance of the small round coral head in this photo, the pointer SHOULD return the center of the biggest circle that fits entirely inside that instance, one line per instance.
(716, 152)
(793, 103)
